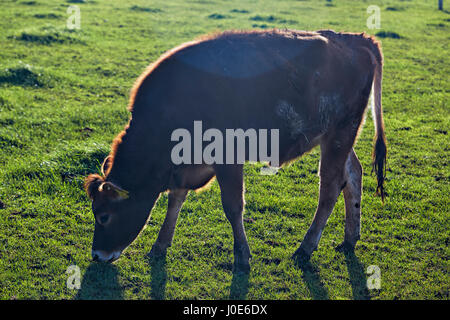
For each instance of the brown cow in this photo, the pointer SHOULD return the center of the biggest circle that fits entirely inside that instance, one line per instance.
(311, 86)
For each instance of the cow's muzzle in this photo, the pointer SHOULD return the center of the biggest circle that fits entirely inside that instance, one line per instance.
(102, 256)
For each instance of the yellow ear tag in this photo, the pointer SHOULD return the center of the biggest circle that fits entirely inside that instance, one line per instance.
(122, 193)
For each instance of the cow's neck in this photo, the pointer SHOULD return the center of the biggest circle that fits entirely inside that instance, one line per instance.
(134, 167)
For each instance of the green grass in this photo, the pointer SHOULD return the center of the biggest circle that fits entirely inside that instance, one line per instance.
(63, 97)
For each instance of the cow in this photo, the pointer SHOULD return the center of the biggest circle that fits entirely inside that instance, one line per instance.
(313, 87)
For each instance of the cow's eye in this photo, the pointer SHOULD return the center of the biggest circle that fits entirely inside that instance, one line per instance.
(103, 218)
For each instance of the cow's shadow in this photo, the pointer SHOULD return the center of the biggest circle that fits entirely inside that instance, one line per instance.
(158, 276)
(312, 279)
(238, 288)
(100, 282)
(357, 275)
(356, 272)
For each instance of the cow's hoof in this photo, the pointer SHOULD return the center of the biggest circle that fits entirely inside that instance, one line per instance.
(300, 256)
(345, 247)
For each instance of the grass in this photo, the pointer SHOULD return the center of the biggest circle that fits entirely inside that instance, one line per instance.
(63, 97)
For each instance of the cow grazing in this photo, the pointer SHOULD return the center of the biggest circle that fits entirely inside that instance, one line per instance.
(313, 87)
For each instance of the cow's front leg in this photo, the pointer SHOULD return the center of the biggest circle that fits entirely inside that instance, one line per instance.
(175, 202)
(231, 182)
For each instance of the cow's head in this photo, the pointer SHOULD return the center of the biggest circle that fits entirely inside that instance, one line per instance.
(119, 216)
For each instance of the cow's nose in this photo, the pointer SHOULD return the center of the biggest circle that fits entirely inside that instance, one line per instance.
(102, 256)
(96, 256)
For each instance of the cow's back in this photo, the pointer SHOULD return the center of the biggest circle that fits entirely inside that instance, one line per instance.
(235, 76)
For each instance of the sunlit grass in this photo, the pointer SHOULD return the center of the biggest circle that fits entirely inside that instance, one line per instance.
(63, 98)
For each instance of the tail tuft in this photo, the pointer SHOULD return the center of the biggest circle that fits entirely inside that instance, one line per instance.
(379, 163)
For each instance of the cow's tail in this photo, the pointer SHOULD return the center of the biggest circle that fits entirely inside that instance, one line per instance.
(379, 148)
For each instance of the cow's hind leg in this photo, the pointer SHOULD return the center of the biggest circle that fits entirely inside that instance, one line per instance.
(334, 152)
(231, 182)
(352, 196)
(175, 201)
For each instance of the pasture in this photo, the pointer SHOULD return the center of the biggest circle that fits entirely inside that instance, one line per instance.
(63, 98)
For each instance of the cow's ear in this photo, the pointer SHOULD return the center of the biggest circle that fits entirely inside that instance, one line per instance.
(92, 184)
(106, 165)
(113, 192)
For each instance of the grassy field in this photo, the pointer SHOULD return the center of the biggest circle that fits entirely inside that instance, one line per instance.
(63, 97)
